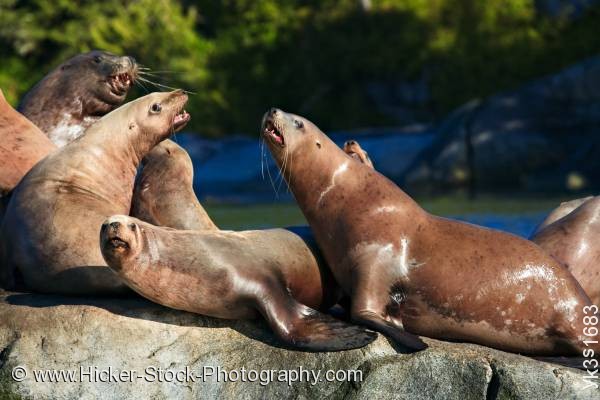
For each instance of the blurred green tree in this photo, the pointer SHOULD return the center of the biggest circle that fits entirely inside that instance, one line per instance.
(315, 57)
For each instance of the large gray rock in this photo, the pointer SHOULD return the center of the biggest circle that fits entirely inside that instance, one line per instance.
(513, 139)
(41, 332)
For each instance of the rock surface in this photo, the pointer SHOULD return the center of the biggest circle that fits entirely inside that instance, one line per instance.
(42, 332)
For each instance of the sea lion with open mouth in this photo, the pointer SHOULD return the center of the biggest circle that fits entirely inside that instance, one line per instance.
(574, 240)
(78, 93)
(353, 149)
(50, 232)
(411, 273)
(232, 275)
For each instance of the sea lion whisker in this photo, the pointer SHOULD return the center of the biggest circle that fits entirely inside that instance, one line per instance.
(284, 169)
(140, 84)
(280, 174)
(158, 73)
(272, 183)
(161, 86)
(262, 156)
(146, 73)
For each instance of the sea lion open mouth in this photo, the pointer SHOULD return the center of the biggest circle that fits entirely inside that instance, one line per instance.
(118, 243)
(271, 131)
(180, 120)
(121, 83)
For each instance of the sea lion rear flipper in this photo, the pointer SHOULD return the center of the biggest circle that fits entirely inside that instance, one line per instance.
(395, 332)
(307, 329)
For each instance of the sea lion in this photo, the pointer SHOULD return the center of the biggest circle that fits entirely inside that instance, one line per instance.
(164, 194)
(50, 230)
(411, 273)
(233, 275)
(574, 240)
(22, 145)
(561, 211)
(78, 93)
(353, 149)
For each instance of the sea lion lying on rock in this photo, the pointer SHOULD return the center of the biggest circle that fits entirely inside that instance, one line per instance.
(22, 145)
(411, 273)
(574, 240)
(50, 232)
(233, 275)
(78, 93)
(564, 209)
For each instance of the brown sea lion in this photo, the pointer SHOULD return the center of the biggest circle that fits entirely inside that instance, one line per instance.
(574, 240)
(50, 230)
(233, 275)
(164, 193)
(22, 145)
(353, 149)
(561, 211)
(408, 271)
(78, 93)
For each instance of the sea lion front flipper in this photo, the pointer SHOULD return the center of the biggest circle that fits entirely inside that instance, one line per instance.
(307, 329)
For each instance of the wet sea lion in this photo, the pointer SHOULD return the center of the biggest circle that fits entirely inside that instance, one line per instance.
(50, 230)
(353, 149)
(22, 145)
(78, 93)
(233, 275)
(574, 240)
(409, 272)
(561, 211)
(164, 193)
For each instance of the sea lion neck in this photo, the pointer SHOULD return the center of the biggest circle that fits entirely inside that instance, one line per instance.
(324, 179)
(121, 136)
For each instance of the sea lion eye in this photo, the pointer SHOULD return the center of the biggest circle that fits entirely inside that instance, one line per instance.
(156, 108)
(298, 124)
(97, 59)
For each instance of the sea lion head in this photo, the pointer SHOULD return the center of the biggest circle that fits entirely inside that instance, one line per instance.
(95, 83)
(120, 240)
(287, 134)
(159, 114)
(106, 77)
(353, 149)
(155, 116)
(167, 152)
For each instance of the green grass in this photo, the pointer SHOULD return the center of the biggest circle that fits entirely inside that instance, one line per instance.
(239, 217)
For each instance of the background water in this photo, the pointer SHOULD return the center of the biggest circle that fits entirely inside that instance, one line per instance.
(516, 215)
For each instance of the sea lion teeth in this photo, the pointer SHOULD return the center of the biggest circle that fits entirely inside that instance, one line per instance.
(270, 130)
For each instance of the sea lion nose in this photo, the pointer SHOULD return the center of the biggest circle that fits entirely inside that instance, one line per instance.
(115, 225)
(132, 61)
(350, 142)
(273, 111)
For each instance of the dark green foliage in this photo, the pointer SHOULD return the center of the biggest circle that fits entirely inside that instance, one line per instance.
(308, 56)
